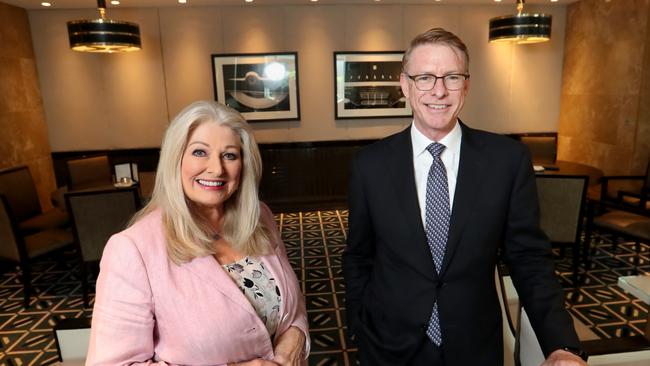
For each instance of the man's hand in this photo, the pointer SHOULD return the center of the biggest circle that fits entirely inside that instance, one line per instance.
(289, 347)
(563, 358)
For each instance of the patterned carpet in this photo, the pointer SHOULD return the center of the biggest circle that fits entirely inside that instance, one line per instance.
(315, 242)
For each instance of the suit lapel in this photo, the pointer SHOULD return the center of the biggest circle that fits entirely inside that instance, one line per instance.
(400, 168)
(470, 170)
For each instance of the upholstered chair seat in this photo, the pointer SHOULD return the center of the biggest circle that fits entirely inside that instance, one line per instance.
(626, 223)
(46, 241)
(51, 219)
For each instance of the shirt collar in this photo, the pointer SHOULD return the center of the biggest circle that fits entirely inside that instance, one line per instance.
(451, 140)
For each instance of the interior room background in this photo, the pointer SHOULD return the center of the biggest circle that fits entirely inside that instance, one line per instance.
(590, 83)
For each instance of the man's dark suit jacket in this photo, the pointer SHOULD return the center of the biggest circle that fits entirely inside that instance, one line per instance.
(391, 283)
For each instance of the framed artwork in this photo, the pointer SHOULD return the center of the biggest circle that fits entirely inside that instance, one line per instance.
(261, 86)
(367, 85)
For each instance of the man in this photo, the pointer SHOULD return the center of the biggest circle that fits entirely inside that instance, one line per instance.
(430, 208)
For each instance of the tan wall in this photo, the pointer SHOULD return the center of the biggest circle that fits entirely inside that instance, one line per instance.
(24, 139)
(605, 103)
(126, 100)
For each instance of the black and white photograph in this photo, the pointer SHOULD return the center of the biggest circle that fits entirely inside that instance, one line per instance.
(367, 85)
(262, 87)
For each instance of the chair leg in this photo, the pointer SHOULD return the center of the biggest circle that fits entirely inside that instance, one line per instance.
(614, 243)
(27, 283)
(576, 264)
(84, 283)
(637, 257)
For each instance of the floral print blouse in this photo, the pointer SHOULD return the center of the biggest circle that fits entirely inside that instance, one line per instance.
(260, 289)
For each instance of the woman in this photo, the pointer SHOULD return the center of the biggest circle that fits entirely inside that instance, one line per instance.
(201, 276)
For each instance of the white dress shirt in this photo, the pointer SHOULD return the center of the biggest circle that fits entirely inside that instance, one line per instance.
(422, 161)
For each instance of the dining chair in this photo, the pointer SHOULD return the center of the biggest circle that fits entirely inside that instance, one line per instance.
(18, 188)
(22, 248)
(96, 215)
(72, 336)
(88, 172)
(542, 146)
(562, 205)
(629, 222)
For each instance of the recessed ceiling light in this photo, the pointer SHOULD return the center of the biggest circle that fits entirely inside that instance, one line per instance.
(115, 2)
(314, 1)
(182, 1)
(45, 3)
(249, 1)
(497, 1)
(553, 1)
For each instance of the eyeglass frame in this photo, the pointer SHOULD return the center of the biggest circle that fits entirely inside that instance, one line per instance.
(412, 77)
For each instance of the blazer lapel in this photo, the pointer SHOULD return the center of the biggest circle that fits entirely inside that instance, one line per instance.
(400, 168)
(471, 167)
(211, 272)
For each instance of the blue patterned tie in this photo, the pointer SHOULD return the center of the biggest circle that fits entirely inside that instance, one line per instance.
(437, 224)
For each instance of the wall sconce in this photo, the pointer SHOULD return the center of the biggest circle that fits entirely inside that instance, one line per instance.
(103, 35)
(521, 27)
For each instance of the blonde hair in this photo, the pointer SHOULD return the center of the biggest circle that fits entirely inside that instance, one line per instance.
(187, 235)
(437, 36)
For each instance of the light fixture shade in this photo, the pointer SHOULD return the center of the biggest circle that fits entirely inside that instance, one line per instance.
(104, 35)
(521, 28)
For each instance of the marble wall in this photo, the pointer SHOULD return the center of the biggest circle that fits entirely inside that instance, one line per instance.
(24, 137)
(605, 98)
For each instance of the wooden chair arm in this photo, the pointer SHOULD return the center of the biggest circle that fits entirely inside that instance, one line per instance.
(604, 182)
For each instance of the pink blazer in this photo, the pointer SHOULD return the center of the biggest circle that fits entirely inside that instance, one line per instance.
(149, 310)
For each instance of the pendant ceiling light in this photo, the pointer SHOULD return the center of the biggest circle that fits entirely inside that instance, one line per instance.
(103, 35)
(521, 27)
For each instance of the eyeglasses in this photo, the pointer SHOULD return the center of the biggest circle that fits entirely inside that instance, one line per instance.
(426, 82)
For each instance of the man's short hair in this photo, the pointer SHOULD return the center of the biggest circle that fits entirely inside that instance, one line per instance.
(437, 36)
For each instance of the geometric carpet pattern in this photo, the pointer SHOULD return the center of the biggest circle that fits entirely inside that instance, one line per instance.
(315, 241)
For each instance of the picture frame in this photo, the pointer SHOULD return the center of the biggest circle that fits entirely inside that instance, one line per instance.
(261, 86)
(367, 85)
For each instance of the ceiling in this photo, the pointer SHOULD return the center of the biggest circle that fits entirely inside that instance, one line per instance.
(76, 4)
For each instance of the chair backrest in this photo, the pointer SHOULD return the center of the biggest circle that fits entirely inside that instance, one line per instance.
(542, 146)
(530, 352)
(89, 172)
(9, 248)
(561, 203)
(18, 187)
(96, 215)
(506, 321)
(72, 337)
(147, 183)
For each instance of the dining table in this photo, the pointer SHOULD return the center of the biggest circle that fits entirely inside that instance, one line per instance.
(564, 167)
